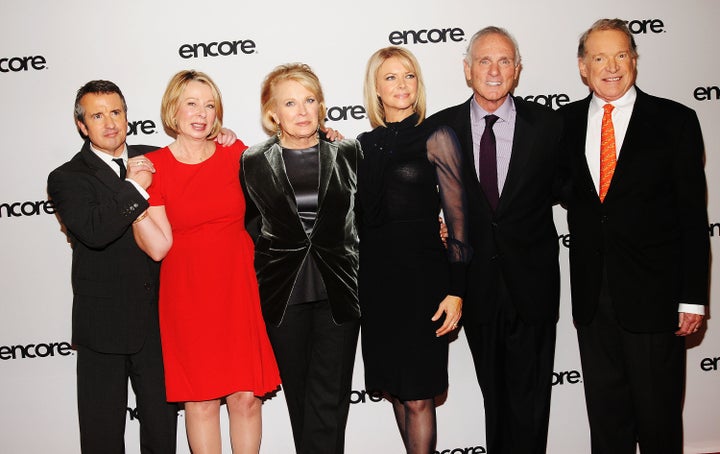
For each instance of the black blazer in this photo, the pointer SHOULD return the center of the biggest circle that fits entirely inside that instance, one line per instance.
(115, 284)
(651, 232)
(518, 242)
(283, 244)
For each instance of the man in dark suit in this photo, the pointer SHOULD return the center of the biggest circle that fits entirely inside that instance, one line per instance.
(639, 253)
(115, 285)
(511, 305)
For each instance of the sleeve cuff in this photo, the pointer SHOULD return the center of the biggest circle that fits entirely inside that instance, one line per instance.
(698, 309)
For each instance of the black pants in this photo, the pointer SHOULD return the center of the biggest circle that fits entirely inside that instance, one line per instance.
(316, 358)
(633, 386)
(514, 364)
(102, 391)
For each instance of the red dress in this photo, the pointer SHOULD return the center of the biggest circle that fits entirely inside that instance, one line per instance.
(213, 335)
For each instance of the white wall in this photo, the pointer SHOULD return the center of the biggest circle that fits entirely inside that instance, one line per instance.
(136, 44)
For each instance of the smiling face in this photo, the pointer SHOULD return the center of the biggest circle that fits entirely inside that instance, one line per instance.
(195, 115)
(491, 70)
(609, 65)
(397, 88)
(104, 122)
(296, 110)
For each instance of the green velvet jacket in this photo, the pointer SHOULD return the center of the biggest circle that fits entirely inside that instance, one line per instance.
(282, 244)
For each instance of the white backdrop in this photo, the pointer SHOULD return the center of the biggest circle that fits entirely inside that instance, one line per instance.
(48, 49)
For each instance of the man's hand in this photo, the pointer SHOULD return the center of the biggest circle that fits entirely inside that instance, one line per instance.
(688, 323)
(333, 135)
(226, 137)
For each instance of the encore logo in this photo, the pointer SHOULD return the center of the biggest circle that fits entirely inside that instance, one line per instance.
(710, 364)
(553, 100)
(141, 126)
(338, 113)
(643, 26)
(33, 351)
(424, 36)
(217, 49)
(566, 377)
(29, 208)
(707, 93)
(17, 64)
(134, 414)
(714, 229)
(564, 240)
(470, 450)
(362, 397)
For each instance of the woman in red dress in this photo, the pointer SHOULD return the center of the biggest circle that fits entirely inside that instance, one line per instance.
(214, 341)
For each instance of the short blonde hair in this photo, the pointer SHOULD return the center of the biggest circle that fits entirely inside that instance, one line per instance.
(373, 104)
(298, 72)
(171, 101)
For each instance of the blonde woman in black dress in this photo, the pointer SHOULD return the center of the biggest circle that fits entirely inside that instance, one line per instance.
(411, 285)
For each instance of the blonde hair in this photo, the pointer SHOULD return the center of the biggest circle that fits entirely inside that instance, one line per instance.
(298, 72)
(373, 104)
(171, 101)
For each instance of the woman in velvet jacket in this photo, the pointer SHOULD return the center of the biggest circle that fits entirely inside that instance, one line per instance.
(306, 254)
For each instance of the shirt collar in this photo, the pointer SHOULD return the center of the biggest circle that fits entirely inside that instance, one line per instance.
(626, 100)
(504, 112)
(107, 158)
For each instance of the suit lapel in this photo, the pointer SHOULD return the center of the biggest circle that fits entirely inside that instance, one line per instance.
(635, 139)
(100, 169)
(576, 136)
(463, 131)
(523, 139)
(327, 156)
(273, 156)
(635, 136)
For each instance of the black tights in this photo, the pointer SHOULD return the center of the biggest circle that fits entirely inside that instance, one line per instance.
(417, 424)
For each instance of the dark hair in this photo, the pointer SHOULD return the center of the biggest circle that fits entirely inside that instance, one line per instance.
(95, 86)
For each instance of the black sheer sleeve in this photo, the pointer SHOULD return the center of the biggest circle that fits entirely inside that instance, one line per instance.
(444, 152)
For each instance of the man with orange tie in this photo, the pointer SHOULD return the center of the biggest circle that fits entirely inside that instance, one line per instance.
(639, 253)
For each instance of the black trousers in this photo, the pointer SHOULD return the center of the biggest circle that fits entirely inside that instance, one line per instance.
(633, 385)
(316, 358)
(102, 392)
(514, 364)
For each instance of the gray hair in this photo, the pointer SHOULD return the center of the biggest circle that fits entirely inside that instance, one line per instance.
(492, 30)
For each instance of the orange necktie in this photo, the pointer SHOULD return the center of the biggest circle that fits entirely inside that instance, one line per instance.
(608, 156)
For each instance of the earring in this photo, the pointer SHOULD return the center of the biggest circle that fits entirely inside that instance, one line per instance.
(279, 132)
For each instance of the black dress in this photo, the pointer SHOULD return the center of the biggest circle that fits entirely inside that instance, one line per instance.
(407, 175)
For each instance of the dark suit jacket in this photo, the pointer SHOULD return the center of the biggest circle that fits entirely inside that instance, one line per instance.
(114, 283)
(283, 244)
(518, 242)
(651, 232)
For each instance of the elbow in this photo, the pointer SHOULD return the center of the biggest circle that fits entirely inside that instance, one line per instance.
(157, 255)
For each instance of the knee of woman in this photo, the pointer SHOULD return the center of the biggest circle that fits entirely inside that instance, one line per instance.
(245, 402)
(418, 406)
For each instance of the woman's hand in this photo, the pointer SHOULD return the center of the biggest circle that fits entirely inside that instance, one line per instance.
(452, 307)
